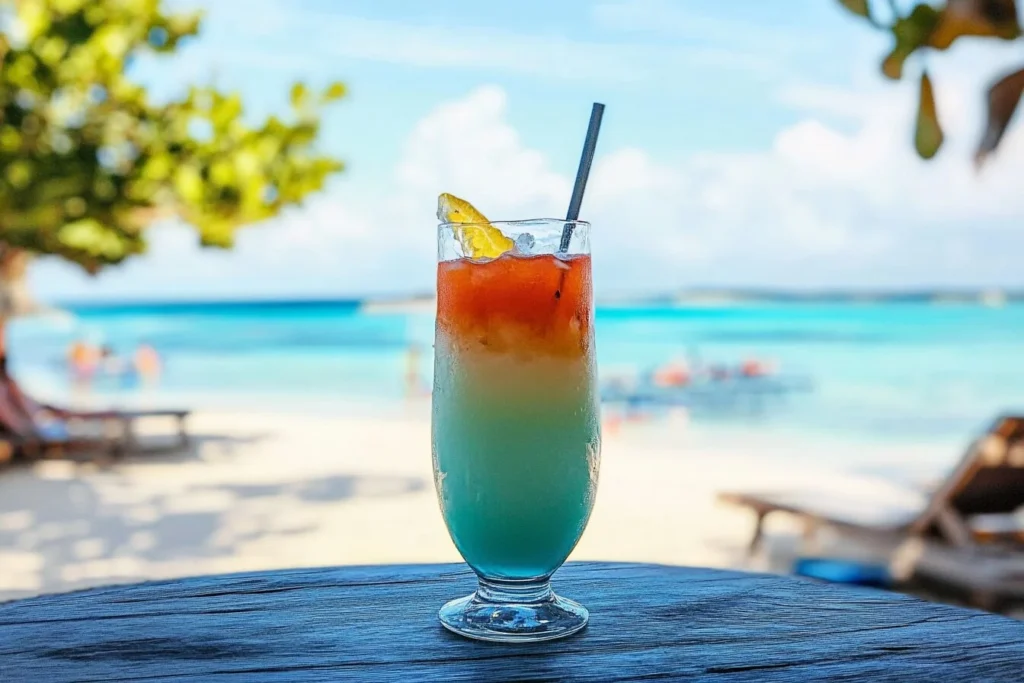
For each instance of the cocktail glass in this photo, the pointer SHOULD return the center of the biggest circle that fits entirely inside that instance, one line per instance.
(516, 429)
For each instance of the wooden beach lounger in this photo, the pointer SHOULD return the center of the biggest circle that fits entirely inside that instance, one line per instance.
(29, 440)
(988, 578)
(988, 481)
(53, 420)
(126, 421)
(64, 446)
(59, 437)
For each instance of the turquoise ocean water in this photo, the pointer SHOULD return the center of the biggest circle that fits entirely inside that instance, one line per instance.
(880, 372)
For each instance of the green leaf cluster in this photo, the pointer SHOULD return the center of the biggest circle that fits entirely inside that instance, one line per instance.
(88, 161)
(931, 26)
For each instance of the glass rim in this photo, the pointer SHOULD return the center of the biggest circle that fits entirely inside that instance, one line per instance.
(521, 222)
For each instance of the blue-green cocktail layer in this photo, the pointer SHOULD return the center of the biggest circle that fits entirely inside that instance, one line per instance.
(516, 446)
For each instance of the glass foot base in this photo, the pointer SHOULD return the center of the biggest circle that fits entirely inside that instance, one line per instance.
(513, 613)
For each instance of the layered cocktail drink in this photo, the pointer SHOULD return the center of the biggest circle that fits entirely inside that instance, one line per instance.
(516, 437)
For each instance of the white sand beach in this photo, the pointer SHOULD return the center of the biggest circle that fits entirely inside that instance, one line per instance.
(265, 490)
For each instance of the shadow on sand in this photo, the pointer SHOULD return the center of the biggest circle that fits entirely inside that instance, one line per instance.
(53, 519)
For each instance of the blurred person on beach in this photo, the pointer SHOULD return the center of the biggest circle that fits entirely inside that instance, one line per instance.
(753, 367)
(675, 373)
(414, 386)
(148, 365)
(83, 362)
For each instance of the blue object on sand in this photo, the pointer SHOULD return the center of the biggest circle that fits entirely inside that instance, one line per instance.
(843, 571)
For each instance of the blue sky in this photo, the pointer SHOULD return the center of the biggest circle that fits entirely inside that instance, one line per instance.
(741, 147)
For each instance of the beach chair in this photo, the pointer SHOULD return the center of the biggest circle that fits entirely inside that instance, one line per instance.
(988, 578)
(66, 446)
(57, 422)
(126, 421)
(24, 440)
(63, 419)
(989, 480)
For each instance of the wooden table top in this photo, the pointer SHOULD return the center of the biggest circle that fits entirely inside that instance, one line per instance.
(379, 624)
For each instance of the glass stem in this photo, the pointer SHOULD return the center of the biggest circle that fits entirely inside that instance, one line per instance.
(514, 592)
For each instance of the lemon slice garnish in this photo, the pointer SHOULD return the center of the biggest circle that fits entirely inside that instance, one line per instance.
(478, 237)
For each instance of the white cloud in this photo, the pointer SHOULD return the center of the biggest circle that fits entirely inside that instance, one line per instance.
(823, 206)
(828, 206)
(468, 148)
(838, 199)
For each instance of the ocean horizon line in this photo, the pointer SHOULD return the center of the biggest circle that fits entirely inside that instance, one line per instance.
(695, 296)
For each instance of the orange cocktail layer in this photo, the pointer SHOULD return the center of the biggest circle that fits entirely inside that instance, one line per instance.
(537, 305)
(516, 439)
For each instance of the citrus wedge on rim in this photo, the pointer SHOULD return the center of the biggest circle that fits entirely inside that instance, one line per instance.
(478, 237)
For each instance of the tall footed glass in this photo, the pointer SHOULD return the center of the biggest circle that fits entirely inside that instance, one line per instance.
(516, 430)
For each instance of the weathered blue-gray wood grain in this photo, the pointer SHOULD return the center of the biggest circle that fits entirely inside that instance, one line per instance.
(378, 624)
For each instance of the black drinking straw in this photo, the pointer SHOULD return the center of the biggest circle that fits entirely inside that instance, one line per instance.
(586, 159)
